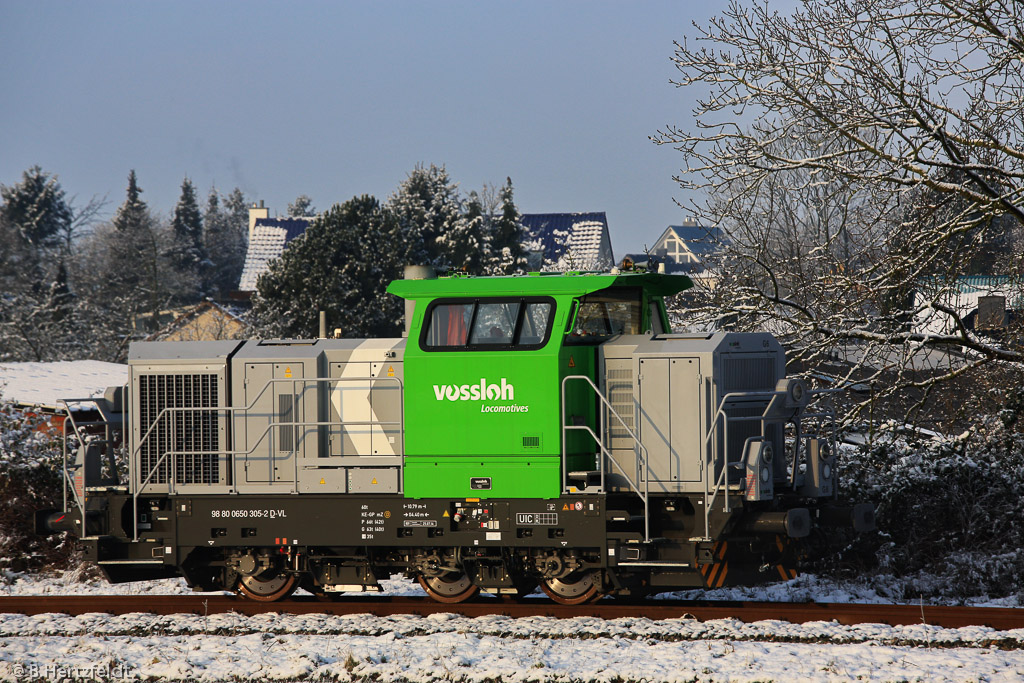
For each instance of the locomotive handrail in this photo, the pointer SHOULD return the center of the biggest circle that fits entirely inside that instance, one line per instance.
(709, 493)
(65, 474)
(173, 411)
(273, 380)
(606, 454)
(246, 408)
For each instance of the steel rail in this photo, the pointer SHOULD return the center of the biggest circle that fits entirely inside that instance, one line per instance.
(702, 610)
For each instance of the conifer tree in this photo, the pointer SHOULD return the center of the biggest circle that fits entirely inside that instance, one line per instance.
(133, 214)
(506, 243)
(427, 207)
(34, 215)
(340, 265)
(302, 206)
(188, 254)
(224, 241)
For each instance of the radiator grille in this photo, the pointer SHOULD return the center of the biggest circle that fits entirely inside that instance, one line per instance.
(192, 430)
(748, 373)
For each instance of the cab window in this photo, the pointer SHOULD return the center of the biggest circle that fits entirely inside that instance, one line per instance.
(481, 324)
(609, 312)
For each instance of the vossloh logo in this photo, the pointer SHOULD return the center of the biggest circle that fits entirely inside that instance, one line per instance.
(481, 391)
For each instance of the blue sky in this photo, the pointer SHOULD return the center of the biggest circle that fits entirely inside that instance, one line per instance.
(335, 99)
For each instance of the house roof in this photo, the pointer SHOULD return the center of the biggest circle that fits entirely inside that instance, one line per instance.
(269, 237)
(583, 235)
(191, 314)
(699, 239)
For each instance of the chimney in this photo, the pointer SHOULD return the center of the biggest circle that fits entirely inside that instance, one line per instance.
(256, 213)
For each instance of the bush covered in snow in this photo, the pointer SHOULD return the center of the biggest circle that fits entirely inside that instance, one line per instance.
(949, 510)
(30, 458)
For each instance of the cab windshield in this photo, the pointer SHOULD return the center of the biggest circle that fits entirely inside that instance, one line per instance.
(608, 312)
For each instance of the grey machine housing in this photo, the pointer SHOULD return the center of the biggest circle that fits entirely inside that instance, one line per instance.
(267, 416)
(668, 390)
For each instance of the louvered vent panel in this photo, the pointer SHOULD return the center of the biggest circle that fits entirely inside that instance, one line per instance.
(748, 374)
(192, 431)
(620, 396)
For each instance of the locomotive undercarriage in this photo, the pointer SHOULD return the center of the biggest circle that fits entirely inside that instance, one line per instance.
(574, 549)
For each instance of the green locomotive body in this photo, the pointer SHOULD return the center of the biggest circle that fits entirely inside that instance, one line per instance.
(544, 429)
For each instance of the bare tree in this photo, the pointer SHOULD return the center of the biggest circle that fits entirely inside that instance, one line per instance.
(860, 157)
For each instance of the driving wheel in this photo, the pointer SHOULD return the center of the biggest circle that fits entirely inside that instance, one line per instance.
(449, 588)
(574, 589)
(267, 587)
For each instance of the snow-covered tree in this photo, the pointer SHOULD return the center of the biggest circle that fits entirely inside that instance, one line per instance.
(224, 239)
(34, 217)
(188, 252)
(125, 271)
(428, 209)
(506, 240)
(302, 206)
(340, 265)
(35, 220)
(854, 154)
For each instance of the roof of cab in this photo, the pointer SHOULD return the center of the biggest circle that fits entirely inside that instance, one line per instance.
(537, 284)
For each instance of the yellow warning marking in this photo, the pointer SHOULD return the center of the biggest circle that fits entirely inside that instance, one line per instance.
(446, 514)
(565, 507)
(288, 372)
(391, 371)
(387, 514)
(572, 363)
(374, 480)
(322, 481)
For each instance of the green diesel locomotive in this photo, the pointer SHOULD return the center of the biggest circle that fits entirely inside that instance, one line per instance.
(546, 429)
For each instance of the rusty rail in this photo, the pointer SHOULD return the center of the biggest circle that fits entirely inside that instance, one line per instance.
(703, 610)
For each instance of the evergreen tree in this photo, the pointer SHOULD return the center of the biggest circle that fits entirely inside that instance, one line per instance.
(506, 243)
(302, 206)
(226, 235)
(427, 207)
(468, 242)
(341, 265)
(137, 277)
(34, 220)
(133, 214)
(34, 216)
(188, 254)
(237, 208)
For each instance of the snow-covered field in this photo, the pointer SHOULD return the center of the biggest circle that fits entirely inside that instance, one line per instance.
(445, 647)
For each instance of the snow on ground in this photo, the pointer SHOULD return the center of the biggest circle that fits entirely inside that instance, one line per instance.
(448, 647)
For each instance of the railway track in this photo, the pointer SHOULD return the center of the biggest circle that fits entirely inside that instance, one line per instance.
(843, 613)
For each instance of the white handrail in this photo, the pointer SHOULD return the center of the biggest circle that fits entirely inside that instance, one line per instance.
(606, 454)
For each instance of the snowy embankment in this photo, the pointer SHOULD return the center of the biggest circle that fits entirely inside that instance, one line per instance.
(279, 647)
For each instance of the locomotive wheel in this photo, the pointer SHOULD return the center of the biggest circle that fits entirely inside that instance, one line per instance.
(574, 589)
(267, 588)
(449, 588)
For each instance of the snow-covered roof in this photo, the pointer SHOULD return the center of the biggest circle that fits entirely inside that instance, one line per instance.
(576, 241)
(269, 237)
(45, 384)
